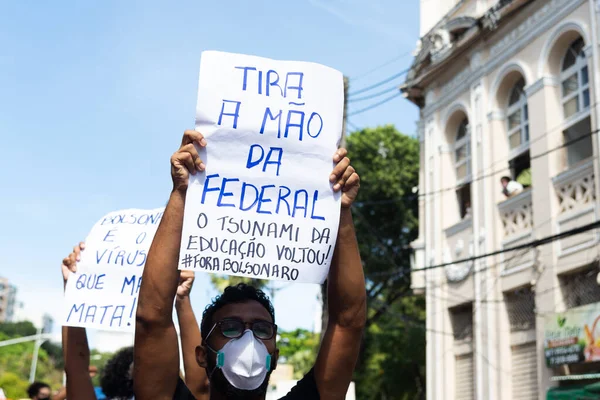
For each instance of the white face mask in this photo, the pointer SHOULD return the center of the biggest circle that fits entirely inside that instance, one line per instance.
(245, 361)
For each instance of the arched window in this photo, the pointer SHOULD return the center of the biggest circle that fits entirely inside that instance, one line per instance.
(575, 92)
(462, 151)
(575, 96)
(518, 117)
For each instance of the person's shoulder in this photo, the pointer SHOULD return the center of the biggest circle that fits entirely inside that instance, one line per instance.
(306, 388)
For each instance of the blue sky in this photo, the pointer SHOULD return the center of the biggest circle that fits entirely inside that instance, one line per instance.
(94, 97)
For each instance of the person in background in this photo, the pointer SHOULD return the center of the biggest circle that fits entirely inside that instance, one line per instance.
(116, 380)
(39, 391)
(239, 349)
(510, 187)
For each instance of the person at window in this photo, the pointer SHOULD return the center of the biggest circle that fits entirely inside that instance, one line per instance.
(510, 187)
(524, 177)
(239, 349)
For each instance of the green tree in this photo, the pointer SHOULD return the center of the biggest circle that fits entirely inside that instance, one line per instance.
(99, 359)
(13, 386)
(220, 282)
(15, 360)
(386, 219)
(18, 329)
(298, 348)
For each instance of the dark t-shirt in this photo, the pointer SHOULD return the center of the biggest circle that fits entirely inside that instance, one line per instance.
(306, 388)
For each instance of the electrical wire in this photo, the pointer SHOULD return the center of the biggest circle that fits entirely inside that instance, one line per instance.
(385, 64)
(380, 83)
(528, 245)
(372, 106)
(371, 96)
(481, 177)
(353, 126)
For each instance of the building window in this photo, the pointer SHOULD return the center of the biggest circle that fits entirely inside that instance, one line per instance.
(518, 117)
(461, 318)
(463, 195)
(520, 306)
(581, 288)
(574, 78)
(462, 152)
(575, 94)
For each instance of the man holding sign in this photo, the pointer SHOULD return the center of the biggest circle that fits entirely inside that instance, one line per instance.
(239, 350)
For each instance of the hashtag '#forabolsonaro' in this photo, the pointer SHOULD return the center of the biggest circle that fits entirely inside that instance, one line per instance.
(187, 261)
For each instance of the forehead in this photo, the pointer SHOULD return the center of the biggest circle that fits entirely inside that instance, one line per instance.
(44, 390)
(247, 311)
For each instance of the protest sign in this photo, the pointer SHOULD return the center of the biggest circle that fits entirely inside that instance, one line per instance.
(103, 292)
(264, 208)
(103, 298)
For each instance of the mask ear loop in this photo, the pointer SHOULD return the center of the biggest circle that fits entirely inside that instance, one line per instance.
(220, 359)
(220, 355)
(268, 361)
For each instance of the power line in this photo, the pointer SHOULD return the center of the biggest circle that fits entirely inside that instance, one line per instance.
(388, 90)
(353, 126)
(454, 188)
(528, 245)
(383, 82)
(481, 177)
(385, 64)
(362, 110)
(532, 244)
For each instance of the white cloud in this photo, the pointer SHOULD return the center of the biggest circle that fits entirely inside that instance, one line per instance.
(367, 15)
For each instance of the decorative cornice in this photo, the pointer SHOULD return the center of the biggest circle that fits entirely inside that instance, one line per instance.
(540, 84)
(516, 201)
(544, 18)
(461, 226)
(585, 169)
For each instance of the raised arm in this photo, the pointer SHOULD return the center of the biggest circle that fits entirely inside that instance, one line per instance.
(347, 300)
(195, 376)
(156, 351)
(76, 351)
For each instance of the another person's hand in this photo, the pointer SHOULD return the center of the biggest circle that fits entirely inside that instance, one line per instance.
(344, 178)
(186, 160)
(69, 264)
(186, 281)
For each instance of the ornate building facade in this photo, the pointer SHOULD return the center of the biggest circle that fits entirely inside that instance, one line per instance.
(507, 89)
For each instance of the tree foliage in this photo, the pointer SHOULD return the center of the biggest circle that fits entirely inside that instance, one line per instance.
(298, 348)
(221, 282)
(15, 362)
(386, 218)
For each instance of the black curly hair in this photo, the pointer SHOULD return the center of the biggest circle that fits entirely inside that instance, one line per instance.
(116, 380)
(35, 387)
(233, 294)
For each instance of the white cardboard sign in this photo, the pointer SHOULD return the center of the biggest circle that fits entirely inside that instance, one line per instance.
(103, 292)
(264, 208)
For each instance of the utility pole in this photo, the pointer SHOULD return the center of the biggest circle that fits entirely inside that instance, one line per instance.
(325, 313)
(36, 348)
(41, 337)
(346, 84)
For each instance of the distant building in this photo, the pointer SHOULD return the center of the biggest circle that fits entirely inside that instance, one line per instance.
(508, 90)
(47, 323)
(8, 297)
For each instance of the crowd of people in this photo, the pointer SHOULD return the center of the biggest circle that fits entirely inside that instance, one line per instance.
(233, 351)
